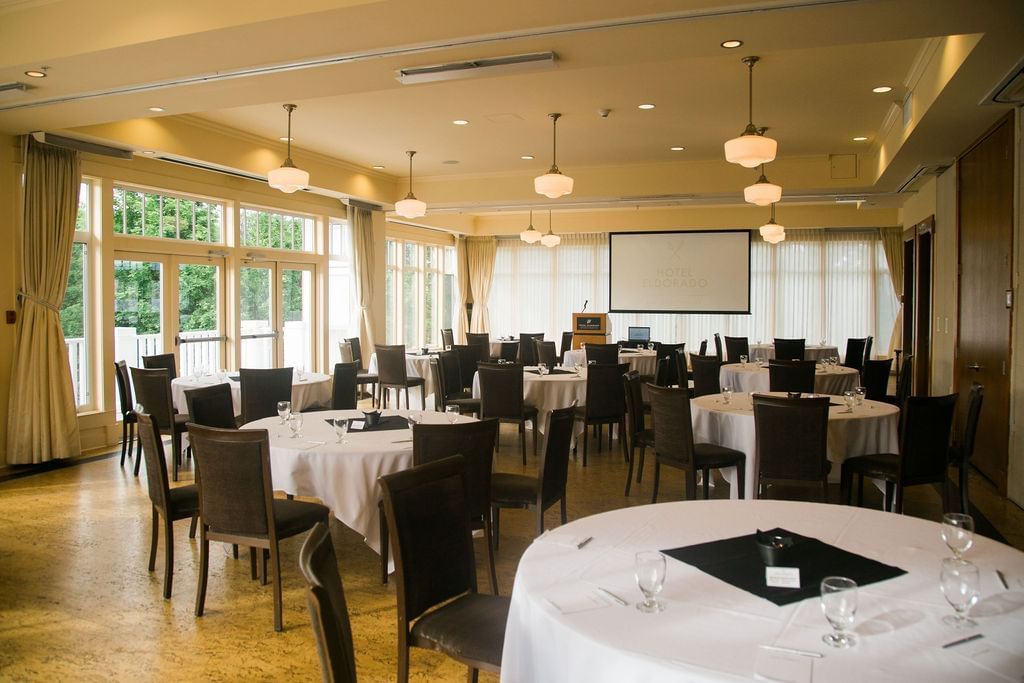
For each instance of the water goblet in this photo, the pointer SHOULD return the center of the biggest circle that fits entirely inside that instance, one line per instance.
(821, 342)
(284, 409)
(542, 368)
(960, 583)
(839, 605)
(650, 346)
(295, 424)
(299, 372)
(726, 395)
(849, 399)
(743, 360)
(452, 413)
(341, 429)
(859, 393)
(650, 578)
(958, 533)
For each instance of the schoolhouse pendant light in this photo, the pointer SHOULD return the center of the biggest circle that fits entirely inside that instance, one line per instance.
(762, 192)
(410, 207)
(288, 178)
(550, 239)
(772, 232)
(751, 148)
(554, 183)
(530, 235)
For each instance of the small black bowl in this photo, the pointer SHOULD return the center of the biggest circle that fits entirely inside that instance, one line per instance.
(774, 548)
(372, 418)
(792, 394)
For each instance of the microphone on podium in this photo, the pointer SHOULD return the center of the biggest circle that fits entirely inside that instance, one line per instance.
(584, 305)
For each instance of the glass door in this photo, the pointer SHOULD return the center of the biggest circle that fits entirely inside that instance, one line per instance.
(297, 315)
(138, 307)
(257, 316)
(200, 335)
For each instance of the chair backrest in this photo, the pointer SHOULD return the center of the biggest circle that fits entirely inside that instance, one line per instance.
(554, 463)
(876, 378)
(605, 354)
(855, 349)
(566, 345)
(153, 392)
(345, 352)
(903, 380)
(478, 338)
(718, 346)
(682, 367)
(474, 441)
(790, 349)
(546, 352)
(156, 464)
(357, 351)
(791, 436)
(447, 337)
(662, 373)
(235, 489)
(343, 392)
(211, 406)
(736, 347)
(327, 606)
(469, 356)
(449, 375)
(527, 350)
(706, 375)
(391, 365)
(867, 348)
(501, 390)
(124, 387)
(262, 389)
(673, 430)
(970, 431)
(605, 396)
(509, 352)
(431, 539)
(925, 437)
(161, 360)
(633, 391)
(703, 351)
(440, 390)
(791, 375)
(669, 351)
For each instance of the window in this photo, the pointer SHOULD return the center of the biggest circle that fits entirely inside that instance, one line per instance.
(149, 214)
(74, 310)
(419, 292)
(344, 311)
(273, 230)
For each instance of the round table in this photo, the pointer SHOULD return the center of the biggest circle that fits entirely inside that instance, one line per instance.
(313, 389)
(643, 361)
(416, 365)
(870, 428)
(766, 352)
(712, 631)
(752, 377)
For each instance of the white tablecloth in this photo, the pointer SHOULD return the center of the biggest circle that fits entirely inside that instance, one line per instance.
(870, 428)
(314, 389)
(750, 377)
(548, 393)
(645, 362)
(711, 631)
(416, 365)
(811, 352)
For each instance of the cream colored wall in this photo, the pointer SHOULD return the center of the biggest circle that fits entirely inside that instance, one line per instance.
(10, 179)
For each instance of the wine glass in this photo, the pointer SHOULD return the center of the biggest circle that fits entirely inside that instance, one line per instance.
(650, 577)
(284, 409)
(849, 398)
(960, 584)
(743, 360)
(859, 393)
(341, 429)
(299, 371)
(295, 424)
(839, 605)
(452, 413)
(958, 533)
(543, 368)
(650, 346)
(726, 395)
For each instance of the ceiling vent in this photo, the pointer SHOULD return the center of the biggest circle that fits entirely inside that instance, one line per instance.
(920, 175)
(476, 67)
(1010, 90)
(82, 145)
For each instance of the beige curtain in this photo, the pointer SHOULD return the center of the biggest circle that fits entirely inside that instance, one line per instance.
(892, 242)
(43, 421)
(480, 253)
(462, 276)
(361, 220)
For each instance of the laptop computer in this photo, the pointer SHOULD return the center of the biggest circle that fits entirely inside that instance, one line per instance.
(639, 334)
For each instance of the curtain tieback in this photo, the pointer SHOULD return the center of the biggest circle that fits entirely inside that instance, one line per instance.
(23, 295)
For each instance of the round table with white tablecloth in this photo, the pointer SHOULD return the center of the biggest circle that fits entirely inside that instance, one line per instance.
(870, 428)
(642, 360)
(416, 365)
(562, 627)
(766, 352)
(310, 389)
(752, 377)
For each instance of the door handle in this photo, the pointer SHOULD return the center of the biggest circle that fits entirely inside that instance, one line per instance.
(974, 366)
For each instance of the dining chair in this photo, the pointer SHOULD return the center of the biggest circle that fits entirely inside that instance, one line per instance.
(509, 490)
(509, 352)
(706, 375)
(718, 346)
(605, 354)
(867, 348)
(923, 454)
(662, 375)
(439, 607)
(790, 349)
(345, 390)
(469, 355)
(791, 375)
(153, 392)
(855, 349)
(527, 350)
(736, 347)
(791, 437)
(904, 380)
(181, 502)
(605, 404)
(674, 446)
(447, 338)
(565, 346)
(128, 419)
(237, 504)
(211, 406)
(262, 389)
(546, 353)
(392, 374)
(501, 396)
(682, 367)
(328, 610)
(963, 448)
(876, 378)
(448, 389)
(478, 339)
(364, 378)
(669, 351)
(636, 429)
(161, 360)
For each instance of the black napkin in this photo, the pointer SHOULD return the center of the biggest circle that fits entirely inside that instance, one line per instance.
(235, 378)
(385, 424)
(738, 562)
(556, 371)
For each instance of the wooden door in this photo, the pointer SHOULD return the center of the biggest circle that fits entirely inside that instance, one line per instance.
(985, 206)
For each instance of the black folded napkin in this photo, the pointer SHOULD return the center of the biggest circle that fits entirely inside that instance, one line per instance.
(556, 371)
(235, 378)
(385, 424)
(737, 561)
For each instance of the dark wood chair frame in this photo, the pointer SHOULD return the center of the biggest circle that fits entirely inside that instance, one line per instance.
(128, 418)
(325, 596)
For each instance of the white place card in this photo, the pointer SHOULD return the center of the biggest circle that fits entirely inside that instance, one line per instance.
(772, 665)
(782, 577)
(357, 425)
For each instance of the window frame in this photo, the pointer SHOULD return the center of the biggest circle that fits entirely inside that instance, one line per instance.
(162, 193)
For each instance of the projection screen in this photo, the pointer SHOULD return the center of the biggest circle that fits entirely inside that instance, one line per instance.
(679, 272)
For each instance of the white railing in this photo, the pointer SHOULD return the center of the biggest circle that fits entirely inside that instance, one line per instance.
(202, 356)
(79, 363)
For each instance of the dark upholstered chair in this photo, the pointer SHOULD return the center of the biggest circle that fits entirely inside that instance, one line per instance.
(923, 457)
(963, 448)
(447, 338)
(867, 348)
(736, 347)
(363, 377)
(509, 352)
(237, 504)
(527, 350)
(875, 378)
(328, 610)
(605, 354)
(161, 360)
(392, 374)
(791, 375)
(790, 349)
(566, 345)
(855, 349)
(469, 355)
(261, 391)
(639, 436)
(548, 487)
(662, 375)
(128, 419)
(674, 446)
(706, 375)
(605, 403)
(718, 347)
(546, 352)
(439, 607)
(479, 339)
(682, 367)
(211, 406)
(904, 382)
(448, 389)
(170, 504)
(669, 351)
(153, 392)
(344, 392)
(501, 396)
(703, 350)
(791, 436)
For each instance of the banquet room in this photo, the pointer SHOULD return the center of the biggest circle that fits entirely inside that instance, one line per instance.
(609, 341)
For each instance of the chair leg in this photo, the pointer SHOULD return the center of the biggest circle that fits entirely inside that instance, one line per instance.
(234, 551)
(154, 535)
(741, 480)
(193, 525)
(168, 557)
(657, 480)
(629, 470)
(535, 430)
(490, 554)
(640, 464)
(403, 659)
(963, 468)
(690, 483)
(204, 567)
(124, 440)
(496, 524)
(586, 442)
(888, 500)
(275, 560)
(705, 475)
(131, 441)
(175, 451)
(824, 489)
(622, 438)
(382, 523)
(254, 572)
(522, 439)
(138, 459)
(898, 504)
(263, 563)
(845, 483)
(472, 675)
(561, 503)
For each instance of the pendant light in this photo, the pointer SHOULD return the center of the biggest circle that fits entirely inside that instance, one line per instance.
(772, 232)
(410, 207)
(550, 239)
(762, 192)
(288, 178)
(554, 183)
(530, 235)
(751, 147)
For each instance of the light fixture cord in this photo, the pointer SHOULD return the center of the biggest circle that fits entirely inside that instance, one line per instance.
(531, 220)
(554, 141)
(750, 93)
(410, 172)
(773, 214)
(289, 134)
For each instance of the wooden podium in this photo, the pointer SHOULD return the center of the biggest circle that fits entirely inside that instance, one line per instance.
(589, 328)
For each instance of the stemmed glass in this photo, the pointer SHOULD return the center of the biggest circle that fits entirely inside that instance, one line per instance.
(859, 393)
(284, 409)
(295, 424)
(341, 429)
(960, 584)
(300, 372)
(542, 368)
(958, 533)
(743, 360)
(650, 346)
(849, 398)
(650, 578)
(452, 413)
(726, 395)
(839, 605)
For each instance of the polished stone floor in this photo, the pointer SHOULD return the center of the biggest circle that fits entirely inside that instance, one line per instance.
(76, 601)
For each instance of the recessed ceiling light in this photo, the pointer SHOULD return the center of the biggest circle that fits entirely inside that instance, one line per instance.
(156, 109)
(677, 149)
(731, 44)
(378, 167)
(285, 138)
(449, 161)
(527, 157)
(882, 89)
(147, 152)
(859, 138)
(461, 122)
(645, 106)
(35, 73)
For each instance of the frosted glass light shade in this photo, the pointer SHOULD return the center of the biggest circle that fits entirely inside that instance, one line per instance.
(410, 207)
(762, 193)
(771, 229)
(551, 240)
(750, 150)
(288, 179)
(775, 239)
(530, 235)
(553, 185)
